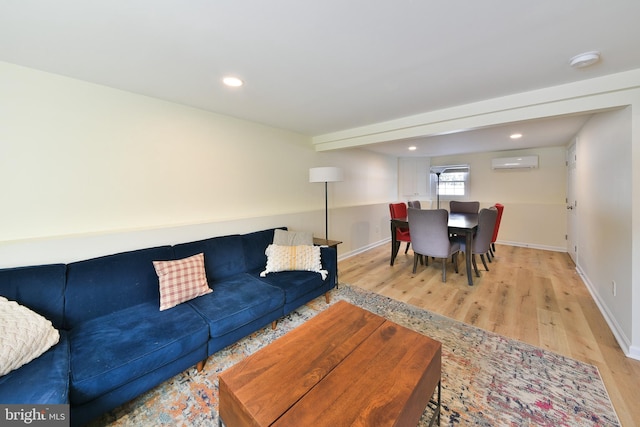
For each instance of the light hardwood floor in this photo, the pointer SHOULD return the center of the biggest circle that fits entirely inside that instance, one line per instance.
(530, 295)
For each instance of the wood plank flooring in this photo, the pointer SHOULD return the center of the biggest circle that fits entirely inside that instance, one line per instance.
(529, 295)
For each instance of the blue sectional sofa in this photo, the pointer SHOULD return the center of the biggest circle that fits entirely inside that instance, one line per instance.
(115, 343)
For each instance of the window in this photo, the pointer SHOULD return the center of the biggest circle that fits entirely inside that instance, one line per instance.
(451, 180)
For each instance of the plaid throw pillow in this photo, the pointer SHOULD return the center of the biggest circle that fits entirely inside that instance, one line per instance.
(181, 280)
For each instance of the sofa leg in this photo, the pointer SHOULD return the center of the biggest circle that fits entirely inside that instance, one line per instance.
(200, 365)
(273, 325)
(327, 297)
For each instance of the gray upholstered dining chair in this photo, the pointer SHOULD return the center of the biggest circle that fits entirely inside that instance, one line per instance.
(430, 237)
(482, 239)
(464, 207)
(415, 204)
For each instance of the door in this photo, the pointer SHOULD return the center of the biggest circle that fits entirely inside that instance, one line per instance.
(572, 204)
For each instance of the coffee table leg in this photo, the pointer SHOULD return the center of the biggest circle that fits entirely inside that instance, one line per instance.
(436, 407)
(439, 396)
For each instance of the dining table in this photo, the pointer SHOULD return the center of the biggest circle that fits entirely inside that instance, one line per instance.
(459, 223)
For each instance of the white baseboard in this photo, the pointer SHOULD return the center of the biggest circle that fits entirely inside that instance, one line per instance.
(499, 242)
(532, 246)
(634, 352)
(623, 341)
(364, 249)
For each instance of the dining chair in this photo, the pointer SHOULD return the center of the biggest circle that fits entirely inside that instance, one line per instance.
(500, 208)
(482, 238)
(415, 204)
(399, 211)
(430, 237)
(464, 207)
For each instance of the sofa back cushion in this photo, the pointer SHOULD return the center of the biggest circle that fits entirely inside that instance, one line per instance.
(223, 256)
(39, 288)
(255, 244)
(100, 286)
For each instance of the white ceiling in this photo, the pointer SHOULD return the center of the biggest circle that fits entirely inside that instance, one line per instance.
(324, 66)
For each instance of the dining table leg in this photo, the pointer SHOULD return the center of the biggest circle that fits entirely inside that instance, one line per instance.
(394, 243)
(468, 255)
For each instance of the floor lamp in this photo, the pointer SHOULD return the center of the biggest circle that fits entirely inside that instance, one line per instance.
(326, 175)
(437, 171)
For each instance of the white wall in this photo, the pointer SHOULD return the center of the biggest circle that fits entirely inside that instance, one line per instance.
(89, 170)
(604, 214)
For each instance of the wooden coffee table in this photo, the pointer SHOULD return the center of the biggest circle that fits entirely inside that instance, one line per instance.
(346, 366)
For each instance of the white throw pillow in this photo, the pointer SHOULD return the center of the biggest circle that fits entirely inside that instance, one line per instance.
(24, 335)
(290, 258)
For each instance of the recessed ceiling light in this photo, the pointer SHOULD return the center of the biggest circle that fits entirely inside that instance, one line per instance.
(584, 59)
(413, 148)
(232, 81)
(515, 136)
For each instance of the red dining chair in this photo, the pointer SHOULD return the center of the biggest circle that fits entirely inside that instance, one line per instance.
(500, 208)
(399, 211)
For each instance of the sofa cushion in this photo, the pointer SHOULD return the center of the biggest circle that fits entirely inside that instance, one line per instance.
(114, 349)
(40, 288)
(237, 300)
(294, 283)
(223, 256)
(292, 258)
(44, 380)
(24, 335)
(181, 280)
(103, 285)
(254, 245)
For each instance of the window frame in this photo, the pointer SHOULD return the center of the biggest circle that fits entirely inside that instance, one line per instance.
(449, 169)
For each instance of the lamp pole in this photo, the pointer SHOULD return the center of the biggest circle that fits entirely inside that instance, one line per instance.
(326, 212)
(438, 188)
(326, 175)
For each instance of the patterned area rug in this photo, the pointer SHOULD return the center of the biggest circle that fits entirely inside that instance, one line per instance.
(487, 379)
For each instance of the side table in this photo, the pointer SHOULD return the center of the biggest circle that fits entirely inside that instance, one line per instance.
(332, 244)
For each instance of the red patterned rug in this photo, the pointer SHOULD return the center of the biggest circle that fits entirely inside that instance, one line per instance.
(487, 379)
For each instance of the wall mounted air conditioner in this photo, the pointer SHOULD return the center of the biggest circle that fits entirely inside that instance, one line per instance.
(524, 162)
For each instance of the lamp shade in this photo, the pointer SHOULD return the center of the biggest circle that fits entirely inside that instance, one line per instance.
(325, 174)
